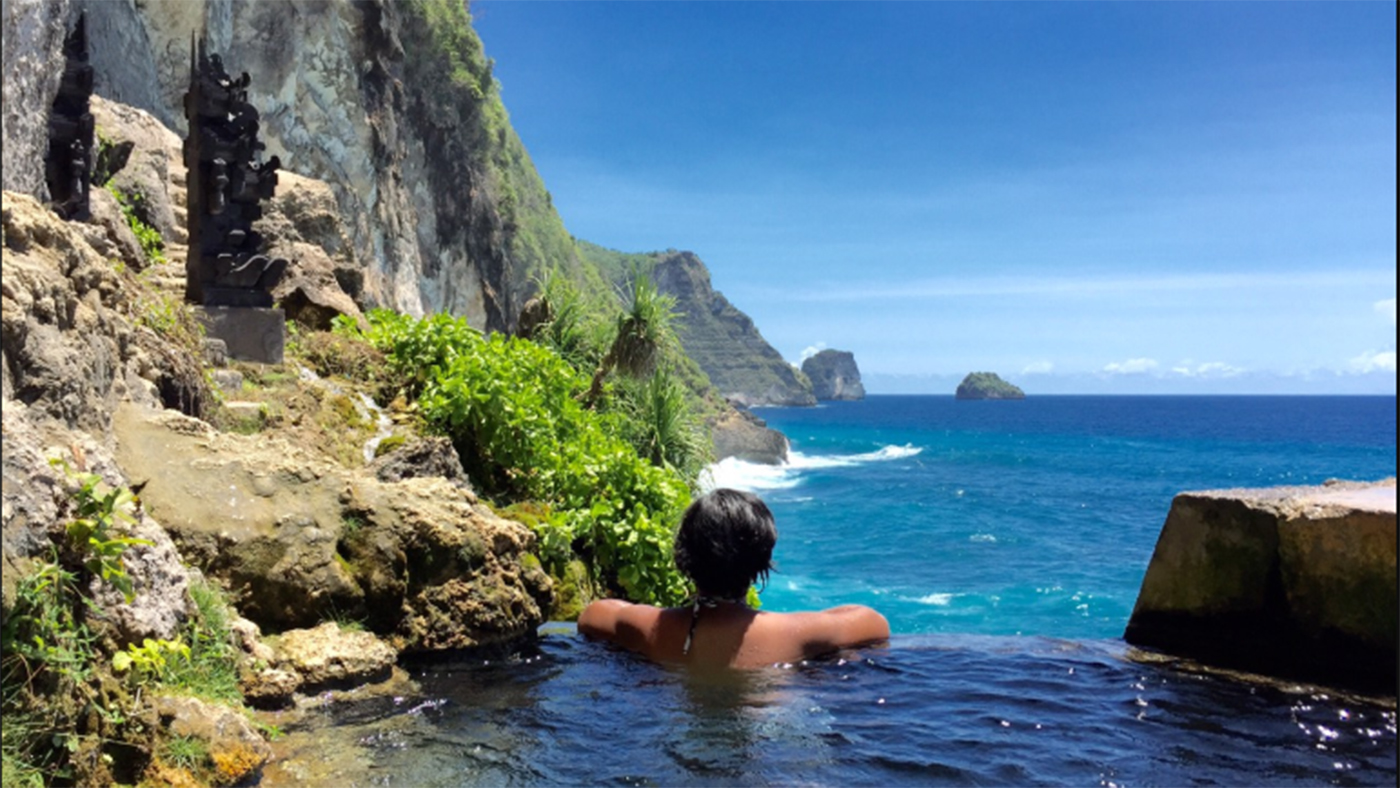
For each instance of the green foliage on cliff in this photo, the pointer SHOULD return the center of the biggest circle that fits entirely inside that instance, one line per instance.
(73, 704)
(502, 215)
(513, 409)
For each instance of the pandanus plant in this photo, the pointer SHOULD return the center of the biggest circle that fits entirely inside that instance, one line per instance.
(643, 332)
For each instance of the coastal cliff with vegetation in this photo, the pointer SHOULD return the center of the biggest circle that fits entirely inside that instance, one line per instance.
(477, 427)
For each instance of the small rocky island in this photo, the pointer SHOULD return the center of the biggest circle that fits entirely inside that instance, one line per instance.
(834, 376)
(987, 385)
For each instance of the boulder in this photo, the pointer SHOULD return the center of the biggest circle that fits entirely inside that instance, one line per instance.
(327, 657)
(742, 435)
(151, 164)
(160, 581)
(834, 375)
(299, 540)
(420, 457)
(1297, 582)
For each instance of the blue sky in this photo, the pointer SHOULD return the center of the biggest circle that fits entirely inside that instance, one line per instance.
(1084, 198)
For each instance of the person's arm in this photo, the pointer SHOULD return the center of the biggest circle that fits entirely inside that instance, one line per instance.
(619, 622)
(841, 627)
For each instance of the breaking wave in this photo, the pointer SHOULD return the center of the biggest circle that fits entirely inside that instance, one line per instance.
(758, 477)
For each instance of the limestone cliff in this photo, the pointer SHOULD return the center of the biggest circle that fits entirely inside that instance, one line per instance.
(390, 103)
(834, 375)
(724, 341)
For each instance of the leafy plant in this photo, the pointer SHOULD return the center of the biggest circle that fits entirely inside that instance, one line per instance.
(133, 206)
(512, 409)
(149, 661)
(643, 332)
(92, 531)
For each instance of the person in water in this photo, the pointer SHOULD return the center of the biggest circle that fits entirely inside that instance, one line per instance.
(725, 545)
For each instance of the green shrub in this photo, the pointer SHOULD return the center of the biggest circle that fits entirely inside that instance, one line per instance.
(512, 409)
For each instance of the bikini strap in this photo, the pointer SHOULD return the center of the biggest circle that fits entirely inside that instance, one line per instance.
(694, 619)
(701, 601)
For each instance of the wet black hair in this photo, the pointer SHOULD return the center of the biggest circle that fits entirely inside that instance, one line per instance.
(725, 543)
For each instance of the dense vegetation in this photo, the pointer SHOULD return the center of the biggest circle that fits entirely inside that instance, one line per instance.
(592, 443)
(76, 705)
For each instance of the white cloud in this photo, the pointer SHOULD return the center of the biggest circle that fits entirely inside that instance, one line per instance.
(1386, 308)
(1133, 366)
(1373, 361)
(1038, 368)
(1210, 369)
(809, 351)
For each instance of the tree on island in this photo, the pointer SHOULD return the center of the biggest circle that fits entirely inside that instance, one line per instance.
(987, 385)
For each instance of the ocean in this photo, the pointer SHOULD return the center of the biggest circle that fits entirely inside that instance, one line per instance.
(1033, 516)
(1005, 541)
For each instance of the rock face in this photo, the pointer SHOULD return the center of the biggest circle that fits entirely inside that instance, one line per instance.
(71, 351)
(443, 209)
(987, 385)
(725, 342)
(298, 540)
(834, 375)
(33, 65)
(1292, 581)
(742, 435)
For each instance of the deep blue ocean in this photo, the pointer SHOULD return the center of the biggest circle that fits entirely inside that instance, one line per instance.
(1005, 541)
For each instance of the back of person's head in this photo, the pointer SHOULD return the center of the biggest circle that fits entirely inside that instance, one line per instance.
(725, 542)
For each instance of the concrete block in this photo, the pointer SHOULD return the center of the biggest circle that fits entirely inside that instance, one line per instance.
(250, 333)
(1295, 582)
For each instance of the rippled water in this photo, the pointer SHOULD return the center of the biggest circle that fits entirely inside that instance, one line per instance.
(927, 710)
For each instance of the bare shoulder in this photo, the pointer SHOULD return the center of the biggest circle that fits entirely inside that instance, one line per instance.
(823, 631)
(624, 623)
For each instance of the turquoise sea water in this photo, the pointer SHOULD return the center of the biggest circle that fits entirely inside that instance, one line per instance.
(1005, 541)
(1035, 516)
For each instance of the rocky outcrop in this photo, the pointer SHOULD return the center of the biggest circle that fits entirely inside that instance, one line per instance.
(329, 656)
(987, 385)
(33, 65)
(834, 375)
(443, 209)
(742, 435)
(1292, 581)
(724, 341)
(298, 540)
(71, 351)
(235, 751)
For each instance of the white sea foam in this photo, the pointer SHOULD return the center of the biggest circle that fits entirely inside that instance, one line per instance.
(751, 476)
(732, 472)
(758, 477)
(938, 600)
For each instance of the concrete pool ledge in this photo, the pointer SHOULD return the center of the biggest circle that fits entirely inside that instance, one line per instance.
(1294, 582)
